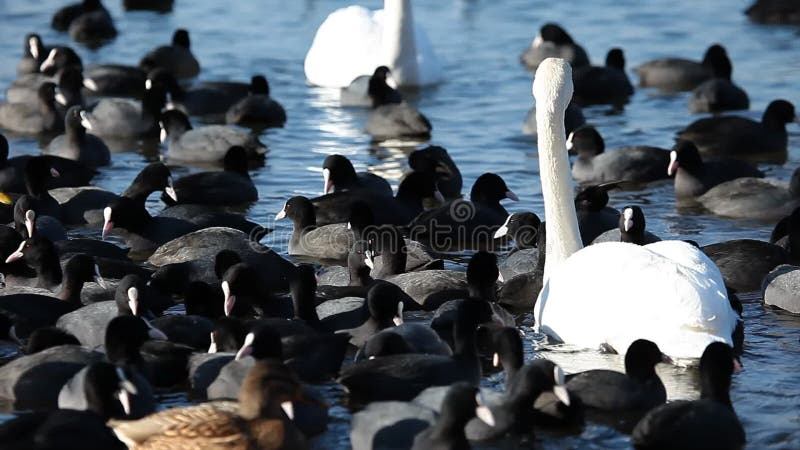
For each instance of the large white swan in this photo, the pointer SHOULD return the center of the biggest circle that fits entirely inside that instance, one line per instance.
(614, 293)
(353, 41)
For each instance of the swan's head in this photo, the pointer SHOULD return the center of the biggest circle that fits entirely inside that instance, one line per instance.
(552, 84)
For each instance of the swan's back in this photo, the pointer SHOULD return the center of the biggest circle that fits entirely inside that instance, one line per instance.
(348, 45)
(614, 293)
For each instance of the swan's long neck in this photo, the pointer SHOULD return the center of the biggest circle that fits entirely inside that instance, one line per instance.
(553, 83)
(399, 47)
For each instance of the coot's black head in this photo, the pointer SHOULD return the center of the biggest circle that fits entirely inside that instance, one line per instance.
(58, 59)
(300, 211)
(586, 141)
(125, 213)
(33, 46)
(641, 359)
(130, 296)
(239, 283)
(385, 303)
(154, 100)
(432, 159)
(357, 264)
(47, 94)
(338, 174)
(717, 365)
(48, 337)
(522, 227)
(592, 198)
(384, 239)
(72, 121)
(259, 85)
(507, 348)
(174, 121)
(241, 279)
(631, 221)
(229, 334)
(471, 313)
(458, 407)
(482, 269)
(154, 177)
(385, 344)
(779, 112)
(261, 343)
(223, 261)
(490, 188)
(686, 156)
(71, 80)
(361, 217)
(717, 61)
(36, 252)
(381, 72)
(381, 87)
(24, 218)
(125, 336)
(551, 32)
(108, 390)
(181, 38)
(615, 59)
(539, 375)
(235, 160)
(417, 186)
(164, 79)
(83, 268)
(266, 387)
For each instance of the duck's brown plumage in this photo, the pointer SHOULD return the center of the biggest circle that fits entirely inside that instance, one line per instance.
(255, 422)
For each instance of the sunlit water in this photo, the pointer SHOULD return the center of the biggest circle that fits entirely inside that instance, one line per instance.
(477, 115)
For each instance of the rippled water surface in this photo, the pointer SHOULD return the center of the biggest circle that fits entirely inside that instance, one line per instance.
(477, 115)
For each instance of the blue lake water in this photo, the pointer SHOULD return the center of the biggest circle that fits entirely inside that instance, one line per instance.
(477, 115)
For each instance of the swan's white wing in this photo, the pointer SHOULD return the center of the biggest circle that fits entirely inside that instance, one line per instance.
(614, 293)
(346, 45)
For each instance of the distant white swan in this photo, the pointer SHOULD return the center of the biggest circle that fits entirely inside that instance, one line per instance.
(353, 41)
(613, 293)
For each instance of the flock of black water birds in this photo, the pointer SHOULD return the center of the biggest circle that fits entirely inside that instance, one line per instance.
(113, 304)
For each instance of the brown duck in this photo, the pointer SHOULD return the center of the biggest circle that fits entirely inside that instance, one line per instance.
(261, 420)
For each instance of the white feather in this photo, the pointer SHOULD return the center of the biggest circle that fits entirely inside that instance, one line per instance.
(353, 41)
(614, 293)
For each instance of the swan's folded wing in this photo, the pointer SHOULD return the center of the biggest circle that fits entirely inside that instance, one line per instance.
(346, 45)
(614, 293)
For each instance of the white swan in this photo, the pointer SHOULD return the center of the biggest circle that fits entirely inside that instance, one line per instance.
(353, 41)
(614, 293)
